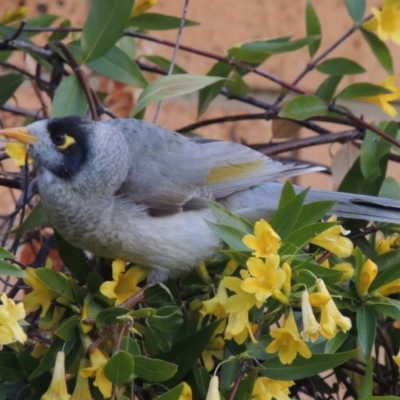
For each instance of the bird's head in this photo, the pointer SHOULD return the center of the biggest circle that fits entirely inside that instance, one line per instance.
(75, 149)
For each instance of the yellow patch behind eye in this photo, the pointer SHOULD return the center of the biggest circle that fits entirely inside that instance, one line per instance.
(69, 140)
(231, 172)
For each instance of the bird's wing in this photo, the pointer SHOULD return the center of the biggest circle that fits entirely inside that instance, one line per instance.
(171, 172)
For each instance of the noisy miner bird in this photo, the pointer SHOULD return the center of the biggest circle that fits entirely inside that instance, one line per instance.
(129, 189)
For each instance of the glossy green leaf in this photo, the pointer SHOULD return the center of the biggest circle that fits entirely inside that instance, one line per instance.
(362, 89)
(115, 64)
(193, 345)
(390, 189)
(159, 22)
(209, 93)
(228, 218)
(313, 28)
(236, 85)
(109, 316)
(340, 66)
(390, 308)
(5, 254)
(164, 63)
(303, 107)
(313, 212)
(130, 345)
(69, 99)
(73, 258)
(356, 9)
(333, 345)
(297, 239)
(153, 370)
(172, 86)
(259, 50)
(9, 367)
(119, 368)
(326, 90)
(37, 217)
(305, 367)
(380, 50)
(104, 26)
(173, 394)
(56, 282)
(67, 328)
(231, 236)
(7, 269)
(9, 83)
(367, 385)
(366, 328)
(157, 340)
(286, 216)
(167, 319)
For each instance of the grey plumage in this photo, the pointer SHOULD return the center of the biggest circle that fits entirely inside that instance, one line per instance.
(129, 189)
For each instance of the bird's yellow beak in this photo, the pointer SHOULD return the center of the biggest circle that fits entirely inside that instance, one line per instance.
(20, 134)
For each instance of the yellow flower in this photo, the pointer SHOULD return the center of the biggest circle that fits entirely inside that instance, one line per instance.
(386, 22)
(58, 387)
(331, 316)
(213, 392)
(40, 296)
(396, 359)
(98, 360)
(186, 392)
(265, 240)
(266, 277)
(311, 328)
(10, 313)
(382, 100)
(14, 15)
(389, 288)
(368, 273)
(268, 389)
(385, 245)
(17, 152)
(332, 240)
(124, 284)
(347, 270)
(239, 327)
(82, 389)
(214, 348)
(287, 341)
(288, 279)
(230, 268)
(216, 305)
(141, 6)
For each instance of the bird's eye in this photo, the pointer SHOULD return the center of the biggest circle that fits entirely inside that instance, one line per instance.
(62, 140)
(58, 138)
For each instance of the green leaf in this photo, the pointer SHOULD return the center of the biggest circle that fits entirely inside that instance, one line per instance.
(313, 28)
(232, 236)
(333, 345)
(187, 350)
(172, 86)
(173, 394)
(366, 328)
(58, 36)
(5, 254)
(389, 309)
(313, 212)
(130, 346)
(10, 369)
(303, 107)
(390, 189)
(115, 64)
(40, 21)
(109, 316)
(340, 66)
(164, 63)
(9, 83)
(209, 93)
(228, 218)
(7, 269)
(380, 50)
(236, 85)
(356, 9)
(157, 340)
(73, 258)
(167, 319)
(67, 328)
(119, 368)
(158, 22)
(104, 26)
(258, 51)
(297, 239)
(366, 387)
(69, 99)
(326, 90)
(286, 216)
(303, 368)
(362, 89)
(153, 370)
(56, 282)
(35, 218)
(244, 392)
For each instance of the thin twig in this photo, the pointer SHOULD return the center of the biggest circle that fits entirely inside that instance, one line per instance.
(174, 54)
